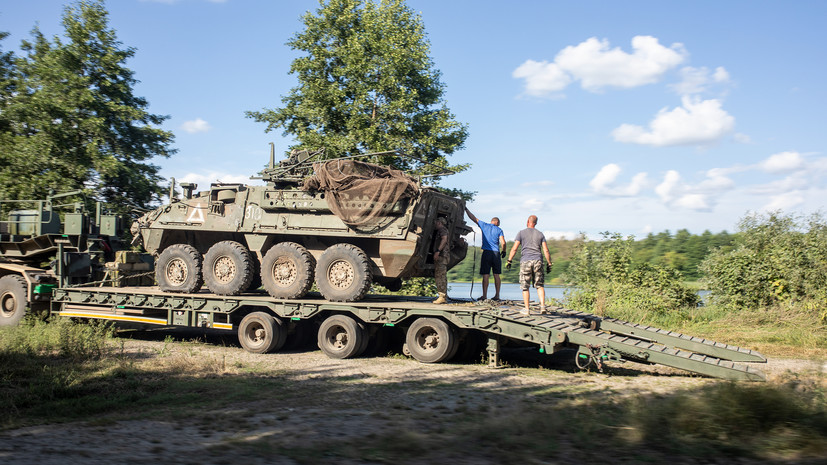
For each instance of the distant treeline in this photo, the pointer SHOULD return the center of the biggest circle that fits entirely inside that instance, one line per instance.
(682, 251)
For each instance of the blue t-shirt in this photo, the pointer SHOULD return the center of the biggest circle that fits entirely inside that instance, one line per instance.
(490, 236)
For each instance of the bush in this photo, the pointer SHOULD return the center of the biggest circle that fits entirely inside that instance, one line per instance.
(777, 259)
(609, 282)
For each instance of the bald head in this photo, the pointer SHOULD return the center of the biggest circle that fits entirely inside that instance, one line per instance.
(495, 221)
(532, 221)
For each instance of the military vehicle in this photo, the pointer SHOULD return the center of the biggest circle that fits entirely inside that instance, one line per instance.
(342, 223)
(33, 233)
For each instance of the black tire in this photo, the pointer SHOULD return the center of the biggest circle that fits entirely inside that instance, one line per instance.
(471, 346)
(341, 336)
(178, 269)
(261, 333)
(228, 268)
(343, 273)
(431, 340)
(287, 271)
(13, 300)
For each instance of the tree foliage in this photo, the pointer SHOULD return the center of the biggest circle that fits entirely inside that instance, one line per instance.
(72, 120)
(367, 84)
(777, 258)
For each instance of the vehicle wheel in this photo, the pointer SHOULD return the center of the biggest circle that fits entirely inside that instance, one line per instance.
(179, 269)
(343, 273)
(260, 333)
(13, 300)
(287, 271)
(228, 268)
(341, 336)
(431, 340)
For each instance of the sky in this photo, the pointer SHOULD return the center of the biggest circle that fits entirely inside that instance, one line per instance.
(631, 117)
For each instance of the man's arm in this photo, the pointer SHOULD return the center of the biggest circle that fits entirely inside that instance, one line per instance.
(442, 243)
(471, 215)
(502, 245)
(546, 253)
(513, 250)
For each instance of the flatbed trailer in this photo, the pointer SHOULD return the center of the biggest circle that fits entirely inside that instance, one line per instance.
(433, 333)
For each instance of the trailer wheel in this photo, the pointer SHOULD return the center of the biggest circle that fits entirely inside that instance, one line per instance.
(343, 273)
(179, 269)
(287, 271)
(260, 333)
(340, 336)
(13, 300)
(431, 340)
(228, 268)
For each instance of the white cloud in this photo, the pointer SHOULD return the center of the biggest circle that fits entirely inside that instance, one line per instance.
(604, 182)
(696, 122)
(542, 78)
(783, 162)
(195, 126)
(597, 66)
(697, 80)
(785, 201)
(674, 192)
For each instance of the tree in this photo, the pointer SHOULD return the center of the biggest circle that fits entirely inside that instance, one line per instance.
(74, 122)
(368, 84)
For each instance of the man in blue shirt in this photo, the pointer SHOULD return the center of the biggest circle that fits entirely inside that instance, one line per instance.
(492, 238)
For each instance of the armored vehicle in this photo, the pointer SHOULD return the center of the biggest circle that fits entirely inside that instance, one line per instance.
(342, 223)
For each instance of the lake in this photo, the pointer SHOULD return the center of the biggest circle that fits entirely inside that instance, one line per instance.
(508, 291)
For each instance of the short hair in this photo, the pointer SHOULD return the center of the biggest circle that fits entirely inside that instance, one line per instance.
(495, 221)
(441, 220)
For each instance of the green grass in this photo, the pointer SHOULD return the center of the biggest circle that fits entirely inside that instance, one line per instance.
(64, 372)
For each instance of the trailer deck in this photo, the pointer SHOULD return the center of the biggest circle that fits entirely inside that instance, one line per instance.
(596, 339)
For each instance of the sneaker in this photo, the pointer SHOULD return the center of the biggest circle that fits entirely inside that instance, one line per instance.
(525, 312)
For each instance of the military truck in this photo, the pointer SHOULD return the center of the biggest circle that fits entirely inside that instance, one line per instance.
(41, 240)
(343, 224)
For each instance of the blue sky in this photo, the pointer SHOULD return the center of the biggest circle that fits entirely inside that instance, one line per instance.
(631, 117)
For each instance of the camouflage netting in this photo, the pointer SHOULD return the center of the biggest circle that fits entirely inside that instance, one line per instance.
(361, 194)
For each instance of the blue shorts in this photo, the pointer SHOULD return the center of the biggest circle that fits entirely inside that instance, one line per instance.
(490, 259)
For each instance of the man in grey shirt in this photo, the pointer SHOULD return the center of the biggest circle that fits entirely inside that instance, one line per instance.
(532, 242)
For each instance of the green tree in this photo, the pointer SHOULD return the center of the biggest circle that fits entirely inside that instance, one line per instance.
(368, 84)
(74, 122)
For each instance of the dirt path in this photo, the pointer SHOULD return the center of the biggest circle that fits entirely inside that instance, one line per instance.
(313, 401)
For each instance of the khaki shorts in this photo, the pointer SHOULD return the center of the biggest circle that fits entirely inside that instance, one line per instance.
(531, 271)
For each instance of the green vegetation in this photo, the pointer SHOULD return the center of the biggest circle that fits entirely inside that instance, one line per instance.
(681, 251)
(69, 119)
(66, 372)
(368, 84)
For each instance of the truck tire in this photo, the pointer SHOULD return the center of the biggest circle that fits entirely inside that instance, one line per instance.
(261, 333)
(340, 336)
(343, 273)
(179, 269)
(431, 340)
(287, 271)
(228, 268)
(13, 300)
(255, 283)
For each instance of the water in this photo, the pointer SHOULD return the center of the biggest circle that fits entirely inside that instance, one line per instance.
(508, 291)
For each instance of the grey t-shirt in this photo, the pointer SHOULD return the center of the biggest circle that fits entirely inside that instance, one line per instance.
(531, 243)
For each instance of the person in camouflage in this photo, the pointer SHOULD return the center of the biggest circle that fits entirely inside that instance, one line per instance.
(532, 242)
(441, 256)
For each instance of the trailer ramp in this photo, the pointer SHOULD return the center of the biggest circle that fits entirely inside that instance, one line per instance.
(602, 339)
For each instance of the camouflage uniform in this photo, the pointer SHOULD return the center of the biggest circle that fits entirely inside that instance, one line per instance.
(441, 265)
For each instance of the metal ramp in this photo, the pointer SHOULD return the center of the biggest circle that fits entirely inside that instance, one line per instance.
(602, 339)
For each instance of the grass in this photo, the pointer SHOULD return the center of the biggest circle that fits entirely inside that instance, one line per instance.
(64, 372)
